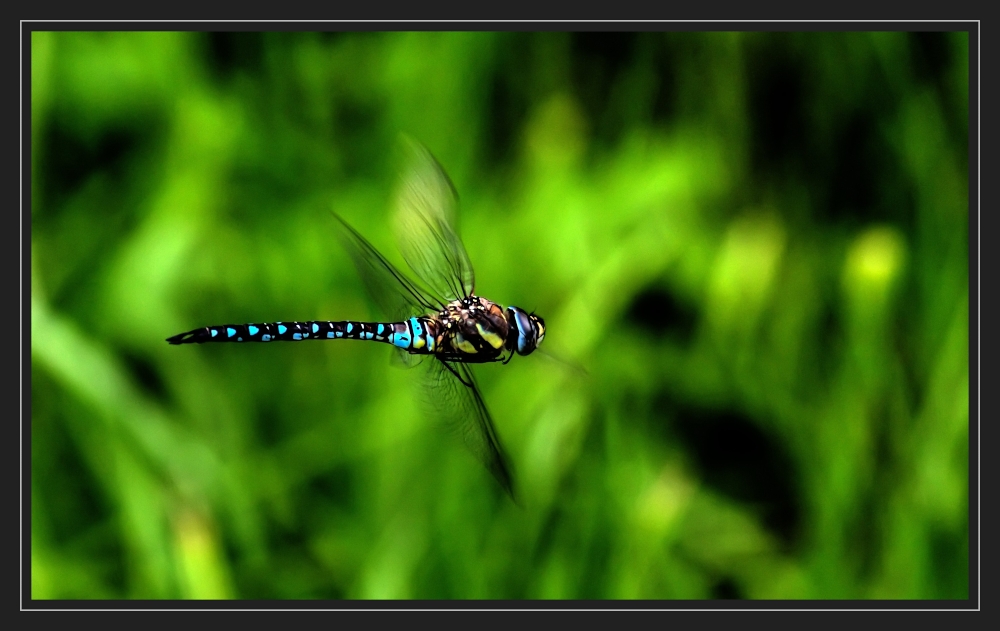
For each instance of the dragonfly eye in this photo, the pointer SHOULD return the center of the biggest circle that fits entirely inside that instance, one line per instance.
(530, 330)
(540, 327)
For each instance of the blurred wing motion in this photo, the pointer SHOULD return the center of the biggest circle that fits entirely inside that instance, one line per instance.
(425, 225)
(424, 220)
(394, 292)
(463, 412)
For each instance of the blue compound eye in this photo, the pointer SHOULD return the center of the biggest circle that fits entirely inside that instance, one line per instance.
(527, 331)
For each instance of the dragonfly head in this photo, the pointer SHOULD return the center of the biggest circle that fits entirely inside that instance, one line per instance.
(529, 329)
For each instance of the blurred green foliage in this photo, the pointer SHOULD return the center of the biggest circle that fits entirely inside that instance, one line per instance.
(754, 244)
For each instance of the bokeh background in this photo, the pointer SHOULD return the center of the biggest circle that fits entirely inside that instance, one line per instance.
(751, 251)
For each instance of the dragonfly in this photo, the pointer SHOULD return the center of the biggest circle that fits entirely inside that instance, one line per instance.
(436, 320)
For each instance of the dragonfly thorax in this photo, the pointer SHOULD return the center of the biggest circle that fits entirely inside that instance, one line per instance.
(471, 329)
(475, 329)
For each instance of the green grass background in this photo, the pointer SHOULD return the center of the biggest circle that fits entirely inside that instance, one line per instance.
(754, 244)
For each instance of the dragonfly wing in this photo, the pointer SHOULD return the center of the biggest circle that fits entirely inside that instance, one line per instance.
(463, 411)
(425, 223)
(398, 296)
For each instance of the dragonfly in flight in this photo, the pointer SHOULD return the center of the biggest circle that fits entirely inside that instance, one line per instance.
(439, 319)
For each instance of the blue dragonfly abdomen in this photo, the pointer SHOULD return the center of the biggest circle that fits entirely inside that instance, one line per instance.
(414, 335)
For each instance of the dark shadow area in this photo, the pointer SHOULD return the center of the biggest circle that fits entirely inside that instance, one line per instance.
(271, 428)
(508, 99)
(739, 460)
(70, 159)
(658, 313)
(599, 63)
(335, 486)
(778, 127)
(726, 589)
(229, 53)
(146, 375)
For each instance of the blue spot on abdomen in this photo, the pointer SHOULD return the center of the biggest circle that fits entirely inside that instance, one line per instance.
(281, 329)
(230, 331)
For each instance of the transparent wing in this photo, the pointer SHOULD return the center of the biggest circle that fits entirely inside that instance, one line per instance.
(396, 295)
(462, 409)
(425, 225)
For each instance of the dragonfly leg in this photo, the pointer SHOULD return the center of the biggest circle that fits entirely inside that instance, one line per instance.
(457, 376)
